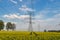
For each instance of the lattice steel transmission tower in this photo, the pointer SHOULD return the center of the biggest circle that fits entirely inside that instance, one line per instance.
(30, 20)
(30, 29)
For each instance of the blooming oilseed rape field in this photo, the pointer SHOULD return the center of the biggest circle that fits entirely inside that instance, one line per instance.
(20, 35)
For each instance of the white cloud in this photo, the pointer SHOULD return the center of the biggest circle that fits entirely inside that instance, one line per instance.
(25, 8)
(57, 15)
(55, 18)
(14, 16)
(20, 0)
(43, 14)
(13, 1)
(39, 16)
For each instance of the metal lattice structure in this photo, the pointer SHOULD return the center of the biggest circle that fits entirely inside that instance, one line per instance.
(30, 19)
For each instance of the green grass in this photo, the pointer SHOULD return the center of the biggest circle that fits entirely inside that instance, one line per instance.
(19, 35)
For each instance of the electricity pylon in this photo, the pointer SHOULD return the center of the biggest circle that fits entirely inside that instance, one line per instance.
(30, 20)
(30, 23)
(39, 27)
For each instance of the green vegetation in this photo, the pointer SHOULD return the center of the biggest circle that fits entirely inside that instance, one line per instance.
(9, 25)
(18, 35)
(1, 25)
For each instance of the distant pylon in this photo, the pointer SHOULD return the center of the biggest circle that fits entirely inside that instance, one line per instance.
(39, 27)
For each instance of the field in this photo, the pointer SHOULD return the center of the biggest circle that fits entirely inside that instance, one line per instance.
(19, 35)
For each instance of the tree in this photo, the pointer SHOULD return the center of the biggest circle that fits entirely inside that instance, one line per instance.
(1, 25)
(11, 26)
(8, 25)
(45, 30)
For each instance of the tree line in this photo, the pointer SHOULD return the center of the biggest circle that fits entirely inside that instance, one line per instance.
(8, 26)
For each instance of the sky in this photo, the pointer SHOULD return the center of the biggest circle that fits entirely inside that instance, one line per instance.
(45, 14)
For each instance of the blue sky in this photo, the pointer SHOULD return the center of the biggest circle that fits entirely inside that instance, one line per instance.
(46, 13)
